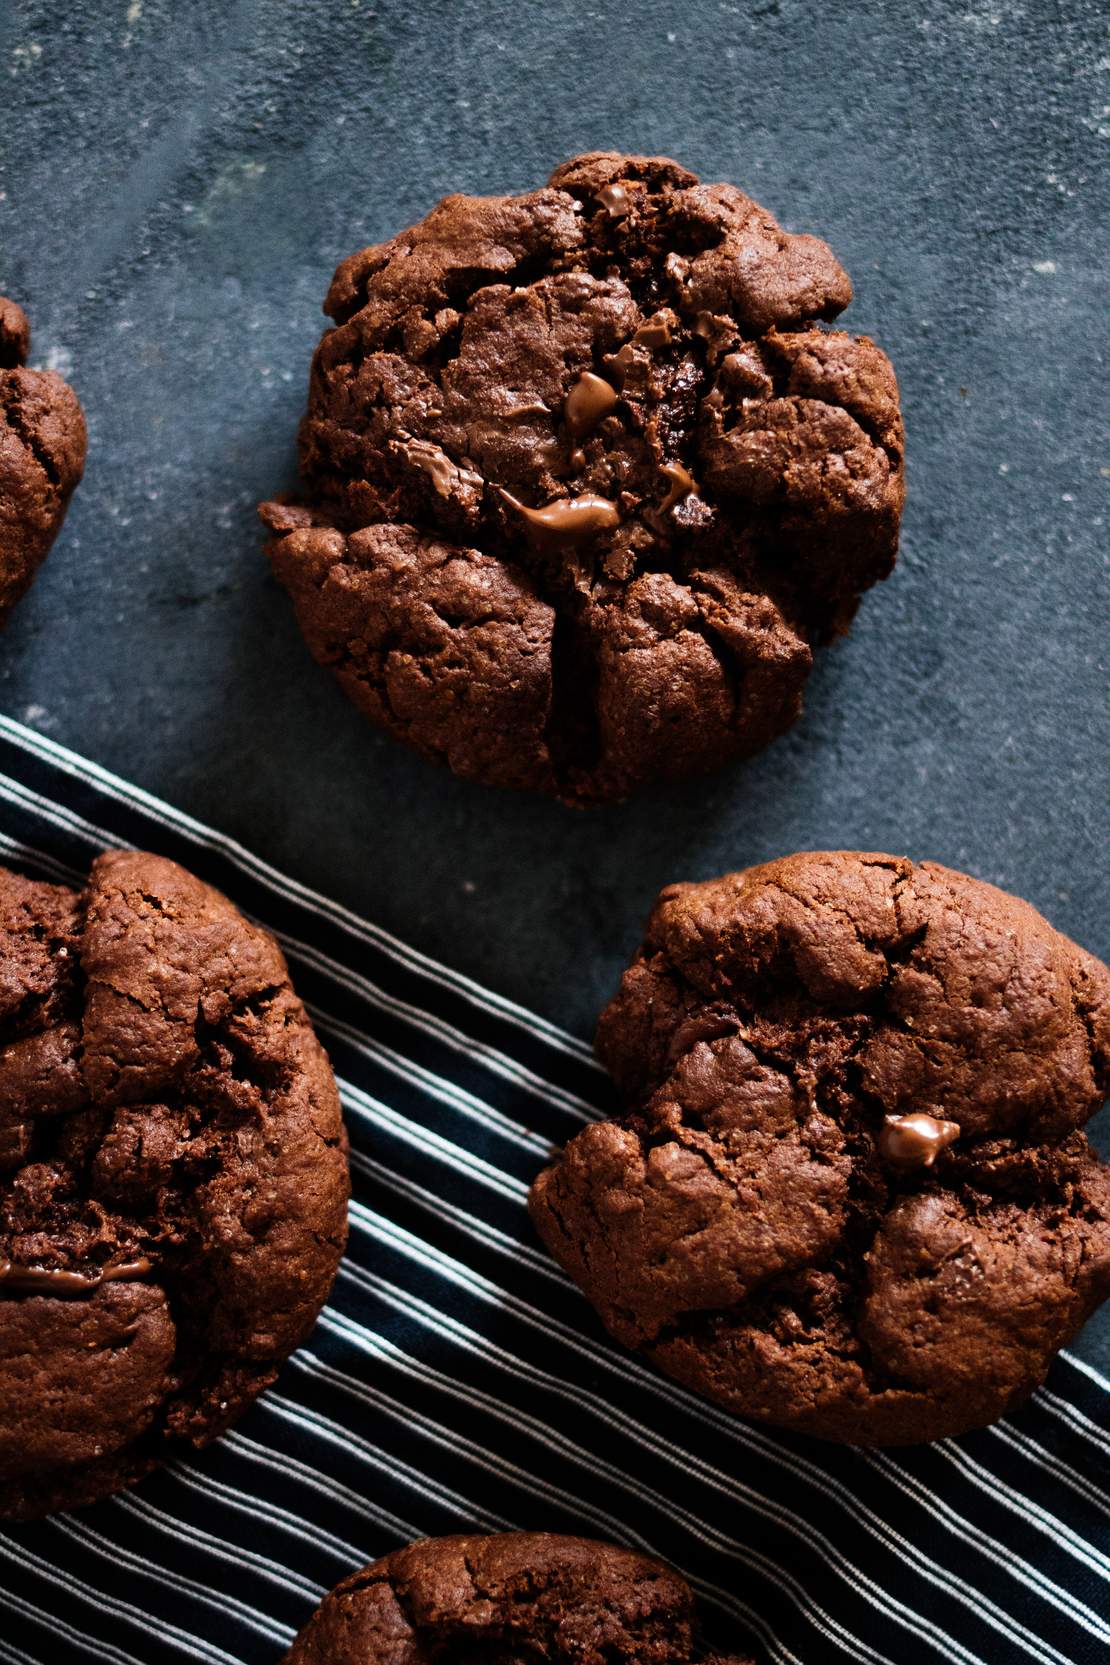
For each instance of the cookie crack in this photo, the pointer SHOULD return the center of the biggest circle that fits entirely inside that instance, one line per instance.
(11, 407)
(572, 733)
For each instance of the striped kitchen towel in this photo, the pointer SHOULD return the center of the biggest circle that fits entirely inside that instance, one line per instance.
(457, 1380)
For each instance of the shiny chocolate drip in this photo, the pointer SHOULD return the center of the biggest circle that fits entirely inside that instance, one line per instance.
(52, 1280)
(915, 1141)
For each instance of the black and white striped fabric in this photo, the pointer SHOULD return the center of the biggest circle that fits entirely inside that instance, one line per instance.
(457, 1380)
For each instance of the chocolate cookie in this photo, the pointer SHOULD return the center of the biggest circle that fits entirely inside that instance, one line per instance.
(511, 1599)
(585, 480)
(850, 1196)
(42, 456)
(173, 1175)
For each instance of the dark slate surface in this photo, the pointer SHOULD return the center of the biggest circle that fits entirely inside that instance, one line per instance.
(176, 184)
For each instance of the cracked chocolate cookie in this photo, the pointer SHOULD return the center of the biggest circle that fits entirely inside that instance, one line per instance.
(173, 1175)
(851, 1195)
(508, 1599)
(585, 480)
(42, 457)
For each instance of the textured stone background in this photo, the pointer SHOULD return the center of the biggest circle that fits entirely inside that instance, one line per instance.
(176, 185)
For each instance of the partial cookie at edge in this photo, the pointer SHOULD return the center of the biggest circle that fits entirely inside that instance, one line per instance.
(173, 1176)
(577, 1601)
(42, 457)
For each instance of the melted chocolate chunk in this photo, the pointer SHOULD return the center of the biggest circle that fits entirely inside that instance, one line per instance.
(568, 521)
(656, 331)
(680, 484)
(446, 476)
(588, 402)
(916, 1140)
(615, 199)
